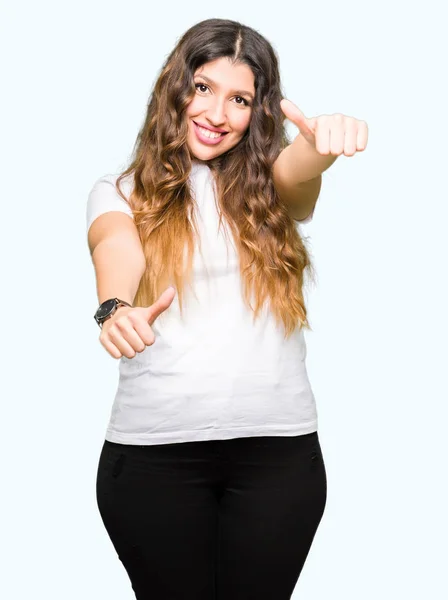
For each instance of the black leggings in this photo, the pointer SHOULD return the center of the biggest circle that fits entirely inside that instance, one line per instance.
(213, 520)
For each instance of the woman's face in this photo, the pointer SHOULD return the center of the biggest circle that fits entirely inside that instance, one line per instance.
(223, 100)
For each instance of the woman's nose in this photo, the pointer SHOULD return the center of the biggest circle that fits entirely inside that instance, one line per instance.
(216, 114)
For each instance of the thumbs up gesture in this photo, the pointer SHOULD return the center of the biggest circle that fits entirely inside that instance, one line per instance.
(128, 330)
(328, 134)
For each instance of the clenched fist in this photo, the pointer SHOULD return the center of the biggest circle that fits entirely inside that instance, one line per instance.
(129, 331)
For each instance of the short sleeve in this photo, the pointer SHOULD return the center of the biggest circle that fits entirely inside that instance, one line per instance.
(103, 197)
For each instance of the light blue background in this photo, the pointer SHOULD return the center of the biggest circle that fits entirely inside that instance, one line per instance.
(76, 80)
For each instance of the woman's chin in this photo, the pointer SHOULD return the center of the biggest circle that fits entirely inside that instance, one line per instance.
(203, 153)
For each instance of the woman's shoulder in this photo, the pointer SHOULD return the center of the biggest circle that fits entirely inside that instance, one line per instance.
(108, 182)
(104, 197)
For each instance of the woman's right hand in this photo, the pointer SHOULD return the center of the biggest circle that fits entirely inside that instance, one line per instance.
(128, 330)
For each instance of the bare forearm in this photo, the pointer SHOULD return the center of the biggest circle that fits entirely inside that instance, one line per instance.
(300, 162)
(119, 265)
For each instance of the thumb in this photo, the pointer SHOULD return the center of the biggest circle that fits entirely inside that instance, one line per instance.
(296, 116)
(162, 303)
(292, 112)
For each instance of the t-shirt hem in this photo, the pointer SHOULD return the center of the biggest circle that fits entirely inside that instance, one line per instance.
(209, 434)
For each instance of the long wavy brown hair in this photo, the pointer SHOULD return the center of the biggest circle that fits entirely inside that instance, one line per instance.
(272, 255)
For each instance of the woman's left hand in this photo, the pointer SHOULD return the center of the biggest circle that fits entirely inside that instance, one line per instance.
(329, 134)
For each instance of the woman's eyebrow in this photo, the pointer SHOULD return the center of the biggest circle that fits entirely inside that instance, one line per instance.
(211, 82)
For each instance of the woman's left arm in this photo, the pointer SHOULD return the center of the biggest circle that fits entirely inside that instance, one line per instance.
(297, 171)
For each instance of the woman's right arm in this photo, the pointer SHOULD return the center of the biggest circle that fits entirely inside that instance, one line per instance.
(120, 262)
(117, 256)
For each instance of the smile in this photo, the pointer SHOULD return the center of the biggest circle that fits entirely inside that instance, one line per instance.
(206, 136)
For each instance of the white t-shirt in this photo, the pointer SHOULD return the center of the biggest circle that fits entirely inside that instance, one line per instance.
(216, 374)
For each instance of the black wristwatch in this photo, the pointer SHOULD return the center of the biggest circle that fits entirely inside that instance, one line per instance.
(107, 309)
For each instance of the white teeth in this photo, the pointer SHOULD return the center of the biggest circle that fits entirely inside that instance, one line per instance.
(209, 134)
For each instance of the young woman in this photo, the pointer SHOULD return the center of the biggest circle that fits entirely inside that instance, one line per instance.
(211, 481)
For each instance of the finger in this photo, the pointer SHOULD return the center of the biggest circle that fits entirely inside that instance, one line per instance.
(110, 347)
(337, 136)
(163, 302)
(323, 136)
(351, 132)
(363, 133)
(130, 331)
(127, 342)
(295, 115)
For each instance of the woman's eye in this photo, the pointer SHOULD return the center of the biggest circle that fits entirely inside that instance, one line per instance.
(244, 101)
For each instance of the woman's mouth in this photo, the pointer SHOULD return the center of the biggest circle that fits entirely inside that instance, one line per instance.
(206, 136)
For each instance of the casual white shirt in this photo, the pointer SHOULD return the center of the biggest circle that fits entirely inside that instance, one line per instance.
(216, 374)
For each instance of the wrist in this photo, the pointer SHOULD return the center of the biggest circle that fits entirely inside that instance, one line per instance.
(108, 308)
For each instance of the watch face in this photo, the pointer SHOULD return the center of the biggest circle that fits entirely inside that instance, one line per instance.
(105, 309)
